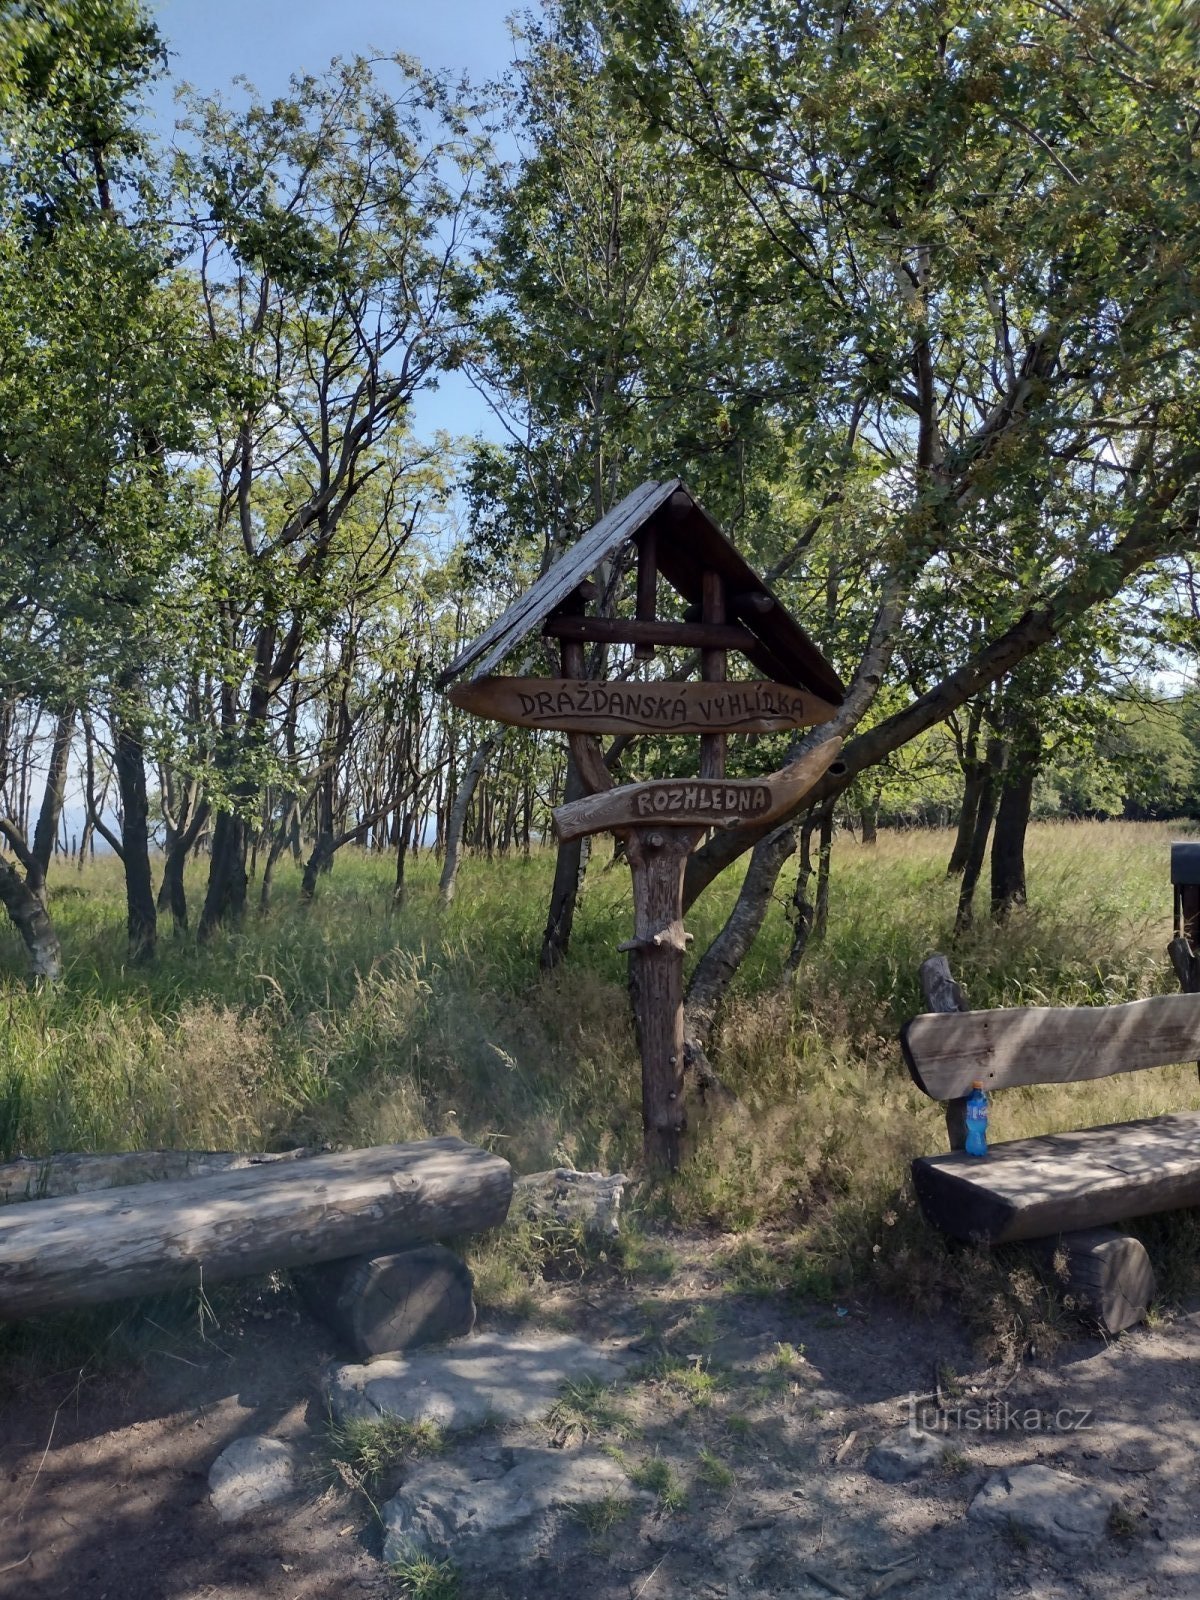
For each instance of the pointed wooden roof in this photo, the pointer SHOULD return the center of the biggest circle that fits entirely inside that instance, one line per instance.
(688, 543)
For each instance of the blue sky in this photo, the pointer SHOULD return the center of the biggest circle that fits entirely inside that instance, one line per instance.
(214, 41)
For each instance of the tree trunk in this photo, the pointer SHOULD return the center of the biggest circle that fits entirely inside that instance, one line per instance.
(869, 817)
(973, 782)
(46, 830)
(320, 860)
(1008, 844)
(172, 895)
(570, 866)
(130, 768)
(32, 921)
(803, 909)
(225, 897)
(457, 820)
(824, 863)
(993, 766)
(723, 957)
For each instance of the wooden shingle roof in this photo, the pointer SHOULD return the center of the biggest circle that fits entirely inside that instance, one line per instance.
(688, 543)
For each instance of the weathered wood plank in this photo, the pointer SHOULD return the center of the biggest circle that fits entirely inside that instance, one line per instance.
(1057, 1183)
(686, 802)
(622, 630)
(1107, 1273)
(494, 643)
(81, 1172)
(86, 1249)
(1045, 1044)
(581, 705)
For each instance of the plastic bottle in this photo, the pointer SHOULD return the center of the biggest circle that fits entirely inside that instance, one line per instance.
(977, 1118)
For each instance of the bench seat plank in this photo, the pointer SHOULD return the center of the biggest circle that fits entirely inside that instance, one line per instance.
(947, 1052)
(1058, 1182)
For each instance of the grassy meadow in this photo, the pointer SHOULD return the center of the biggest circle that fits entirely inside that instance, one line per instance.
(354, 1023)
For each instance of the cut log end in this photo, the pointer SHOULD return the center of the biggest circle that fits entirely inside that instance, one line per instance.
(378, 1304)
(1107, 1273)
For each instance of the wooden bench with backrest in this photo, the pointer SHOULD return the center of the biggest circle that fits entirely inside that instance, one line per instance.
(1058, 1184)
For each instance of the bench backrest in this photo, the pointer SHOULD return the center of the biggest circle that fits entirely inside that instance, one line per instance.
(947, 1052)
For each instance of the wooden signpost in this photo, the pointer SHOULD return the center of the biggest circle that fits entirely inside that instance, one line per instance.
(664, 820)
(581, 705)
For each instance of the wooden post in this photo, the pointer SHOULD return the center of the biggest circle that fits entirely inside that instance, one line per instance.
(657, 858)
(647, 586)
(942, 993)
(713, 669)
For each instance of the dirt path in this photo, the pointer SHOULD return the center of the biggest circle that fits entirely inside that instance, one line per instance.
(760, 1419)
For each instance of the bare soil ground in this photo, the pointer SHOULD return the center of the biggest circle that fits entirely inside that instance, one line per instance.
(760, 1413)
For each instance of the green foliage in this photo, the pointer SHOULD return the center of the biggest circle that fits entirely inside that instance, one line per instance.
(713, 1471)
(365, 1453)
(659, 1478)
(600, 1517)
(422, 1578)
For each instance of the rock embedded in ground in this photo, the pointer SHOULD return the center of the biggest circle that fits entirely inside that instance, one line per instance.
(252, 1472)
(905, 1457)
(566, 1197)
(489, 1377)
(1046, 1505)
(497, 1505)
(380, 1304)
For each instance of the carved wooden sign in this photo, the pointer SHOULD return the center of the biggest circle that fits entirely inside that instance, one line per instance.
(678, 803)
(692, 802)
(579, 705)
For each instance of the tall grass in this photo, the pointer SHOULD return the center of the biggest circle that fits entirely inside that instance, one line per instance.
(353, 1022)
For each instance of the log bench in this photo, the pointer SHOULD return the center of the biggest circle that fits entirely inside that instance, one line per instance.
(1060, 1190)
(223, 1221)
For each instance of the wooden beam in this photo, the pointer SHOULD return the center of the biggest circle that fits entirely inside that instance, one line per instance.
(620, 630)
(688, 802)
(1045, 1044)
(713, 669)
(155, 1237)
(647, 585)
(528, 609)
(585, 749)
(1057, 1183)
(582, 705)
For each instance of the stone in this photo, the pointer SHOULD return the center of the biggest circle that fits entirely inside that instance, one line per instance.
(497, 1506)
(1047, 1505)
(489, 1377)
(252, 1472)
(905, 1457)
(380, 1304)
(570, 1198)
